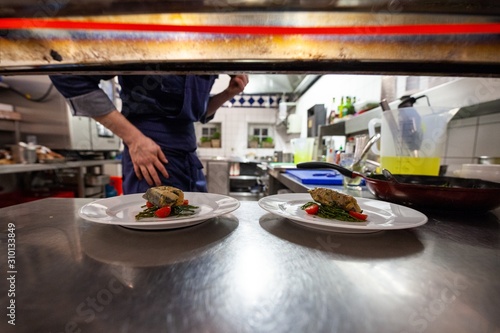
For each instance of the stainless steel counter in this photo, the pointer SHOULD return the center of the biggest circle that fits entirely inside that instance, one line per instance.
(248, 271)
(80, 166)
(19, 168)
(279, 179)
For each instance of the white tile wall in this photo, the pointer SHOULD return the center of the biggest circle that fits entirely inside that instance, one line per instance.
(234, 132)
(471, 137)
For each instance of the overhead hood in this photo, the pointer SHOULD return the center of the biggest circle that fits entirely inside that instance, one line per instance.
(291, 85)
(292, 37)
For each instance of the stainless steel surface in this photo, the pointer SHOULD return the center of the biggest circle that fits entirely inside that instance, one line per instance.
(80, 166)
(291, 85)
(488, 160)
(365, 150)
(52, 120)
(96, 179)
(218, 176)
(247, 272)
(18, 168)
(17, 8)
(236, 36)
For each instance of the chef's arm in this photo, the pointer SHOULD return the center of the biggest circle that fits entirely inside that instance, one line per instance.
(236, 85)
(87, 99)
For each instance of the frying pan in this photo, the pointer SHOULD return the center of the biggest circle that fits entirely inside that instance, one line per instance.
(431, 192)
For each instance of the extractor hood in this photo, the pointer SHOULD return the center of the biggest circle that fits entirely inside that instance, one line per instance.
(291, 85)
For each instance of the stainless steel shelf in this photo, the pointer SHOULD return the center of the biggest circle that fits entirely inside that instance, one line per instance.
(315, 39)
(19, 168)
(244, 177)
(81, 167)
(245, 194)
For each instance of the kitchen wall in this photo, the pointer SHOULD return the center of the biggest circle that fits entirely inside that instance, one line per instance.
(472, 133)
(366, 88)
(234, 132)
(472, 137)
(234, 120)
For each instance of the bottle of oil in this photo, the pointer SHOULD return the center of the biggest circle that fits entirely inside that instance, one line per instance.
(333, 112)
(340, 108)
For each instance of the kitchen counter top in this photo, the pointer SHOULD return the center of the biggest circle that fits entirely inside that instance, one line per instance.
(248, 271)
(281, 180)
(80, 166)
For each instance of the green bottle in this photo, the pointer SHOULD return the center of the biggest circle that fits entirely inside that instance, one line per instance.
(341, 107)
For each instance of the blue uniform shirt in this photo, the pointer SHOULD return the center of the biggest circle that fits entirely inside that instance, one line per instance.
(163, 107)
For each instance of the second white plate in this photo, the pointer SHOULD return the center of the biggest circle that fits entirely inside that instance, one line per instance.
(382, 215)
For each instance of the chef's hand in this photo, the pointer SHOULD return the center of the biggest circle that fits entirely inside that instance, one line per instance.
(237, 84)
(148, 160)
(146, 155)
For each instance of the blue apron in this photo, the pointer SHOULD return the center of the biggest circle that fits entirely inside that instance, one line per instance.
(165, 108)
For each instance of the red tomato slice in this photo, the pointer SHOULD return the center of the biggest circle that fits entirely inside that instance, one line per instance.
(186, 202)
(312, 209)
(149, 204)
(359, 216)
(163, 212)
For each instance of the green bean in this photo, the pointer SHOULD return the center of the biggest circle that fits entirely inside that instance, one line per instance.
(332, 212)
(184, 210)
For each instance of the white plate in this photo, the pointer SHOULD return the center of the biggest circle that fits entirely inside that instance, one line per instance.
(381, 215)
(121, 210)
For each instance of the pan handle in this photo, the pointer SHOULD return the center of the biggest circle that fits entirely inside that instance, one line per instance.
(325, 165)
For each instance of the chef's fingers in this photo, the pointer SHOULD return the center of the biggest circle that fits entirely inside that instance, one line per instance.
(160, 166)
(152, 176)
(160, 162)
(137, 171)
(237, 84)
(162, 157)
(240, 81)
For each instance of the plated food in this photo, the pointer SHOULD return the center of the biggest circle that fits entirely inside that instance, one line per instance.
(331, 204)
(382, 215)
(165, 201)
(122, 210)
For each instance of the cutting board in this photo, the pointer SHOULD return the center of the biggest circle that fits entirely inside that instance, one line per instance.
(317, 177)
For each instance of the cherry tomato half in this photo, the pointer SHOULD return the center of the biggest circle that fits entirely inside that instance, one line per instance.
(312, 209)
(149, 204)
(186, 202)
(163, 212)
(359, 216)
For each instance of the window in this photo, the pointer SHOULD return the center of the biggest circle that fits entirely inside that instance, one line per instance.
(208, 131)
(258, 133)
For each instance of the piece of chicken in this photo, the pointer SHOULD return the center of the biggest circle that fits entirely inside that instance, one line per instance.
(162, 196)
(326, 196)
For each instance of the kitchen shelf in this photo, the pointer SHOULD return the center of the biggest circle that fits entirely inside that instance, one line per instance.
(418, 37)
(81, 167)
(19, 168)
(244, 194)
(244, 177)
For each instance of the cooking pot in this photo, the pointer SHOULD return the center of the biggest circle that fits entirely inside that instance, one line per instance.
(431, 192)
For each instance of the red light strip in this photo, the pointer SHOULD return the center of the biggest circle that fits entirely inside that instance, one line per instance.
(413, 29)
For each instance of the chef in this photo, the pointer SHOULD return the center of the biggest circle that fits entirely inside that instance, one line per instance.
(156, 123)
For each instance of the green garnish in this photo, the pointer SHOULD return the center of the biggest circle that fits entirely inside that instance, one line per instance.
(332, 212)
(178, 211)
